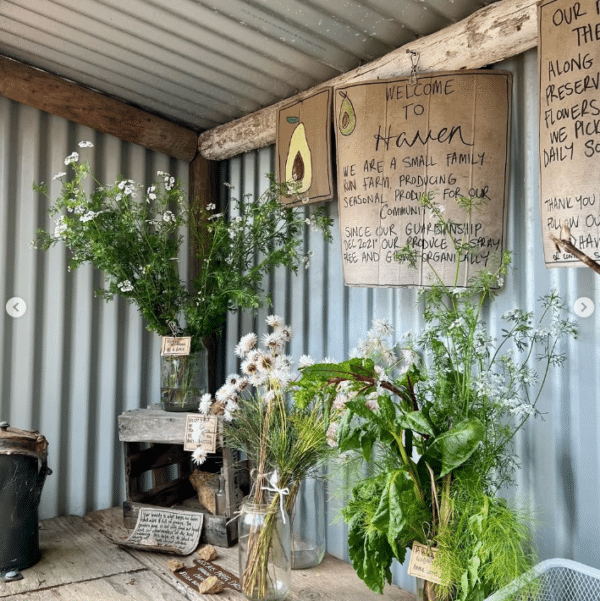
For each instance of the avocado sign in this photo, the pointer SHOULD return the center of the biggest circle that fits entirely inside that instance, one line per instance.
(304, 154)
(445, 133)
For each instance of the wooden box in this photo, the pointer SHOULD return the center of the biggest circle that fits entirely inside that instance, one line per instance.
(157, 472)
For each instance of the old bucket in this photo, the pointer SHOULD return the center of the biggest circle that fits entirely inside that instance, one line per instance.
(23, 470)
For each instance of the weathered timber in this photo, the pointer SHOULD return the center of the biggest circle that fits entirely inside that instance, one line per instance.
(494, 33)
(58, 96)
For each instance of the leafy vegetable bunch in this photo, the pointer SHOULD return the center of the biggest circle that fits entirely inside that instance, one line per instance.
(134, 234)
(436, 415)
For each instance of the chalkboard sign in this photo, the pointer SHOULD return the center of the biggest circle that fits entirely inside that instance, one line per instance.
(569, 97)
(446, 133)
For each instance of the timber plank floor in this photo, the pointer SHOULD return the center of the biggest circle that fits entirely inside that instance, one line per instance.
(80, 562)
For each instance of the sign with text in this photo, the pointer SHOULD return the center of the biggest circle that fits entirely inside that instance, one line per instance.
(304, 154)
(443, 133)
(421, 563)
(175, 346)
(166, 530)
(569, 128)
(200, 432)
(201, 570)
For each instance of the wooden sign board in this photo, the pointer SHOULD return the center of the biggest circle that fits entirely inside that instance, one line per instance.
(569, 128)
(396, 139)
(421, 563)
(201, 570)
(304, 153)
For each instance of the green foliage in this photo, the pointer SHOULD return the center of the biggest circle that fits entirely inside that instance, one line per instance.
(133, 234)
(432, 411)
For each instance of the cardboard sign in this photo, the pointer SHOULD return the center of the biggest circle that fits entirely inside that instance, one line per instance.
(175, 346)
(304, 153)
(421, 563)
(207, 426)
(396, 139)
(204, 569)
(569, 129)
(166, 530)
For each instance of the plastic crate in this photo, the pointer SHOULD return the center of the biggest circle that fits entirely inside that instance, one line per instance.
(556, 580)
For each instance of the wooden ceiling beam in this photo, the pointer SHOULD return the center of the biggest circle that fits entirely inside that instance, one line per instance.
(46, 92)
(492, 34)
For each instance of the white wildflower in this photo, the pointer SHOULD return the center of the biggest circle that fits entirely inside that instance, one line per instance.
(211, 206)
(88, 216)
(72, 158)
(199, 456)
(227, 415)
(125, 286)
(59, 175)
(206, 402)
(151, 193)
(305, 361)
(85, 144)
(246, 344)
(274, 321)
(383, 327)
(61, 227)
(168, 216)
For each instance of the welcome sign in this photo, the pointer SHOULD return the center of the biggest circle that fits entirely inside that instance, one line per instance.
(444, 133)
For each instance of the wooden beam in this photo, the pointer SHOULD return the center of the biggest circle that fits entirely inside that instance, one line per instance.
(67, 99)
(490, 35)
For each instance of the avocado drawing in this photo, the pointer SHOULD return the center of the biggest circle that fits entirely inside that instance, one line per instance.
(298, 166)
(347, 118)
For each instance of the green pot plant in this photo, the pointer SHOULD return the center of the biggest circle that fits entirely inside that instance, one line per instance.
(133, 233)
(436, 416)
(284, 443)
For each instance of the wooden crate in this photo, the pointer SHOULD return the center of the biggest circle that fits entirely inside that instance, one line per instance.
(157, 471)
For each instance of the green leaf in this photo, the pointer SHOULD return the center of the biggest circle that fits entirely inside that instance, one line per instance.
(417, 421)
(398, 504)
(452, 448)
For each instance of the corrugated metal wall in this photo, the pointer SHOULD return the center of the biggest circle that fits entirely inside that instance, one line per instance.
(72, 363)
(560, 475)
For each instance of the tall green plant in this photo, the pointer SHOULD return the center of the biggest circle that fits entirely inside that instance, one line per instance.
(436, 415)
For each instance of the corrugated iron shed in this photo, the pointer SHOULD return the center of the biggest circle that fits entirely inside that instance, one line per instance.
(203, 63)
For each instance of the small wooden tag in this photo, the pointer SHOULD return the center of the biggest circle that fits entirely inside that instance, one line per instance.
(421, 563)
(208, 425)
(173, 346)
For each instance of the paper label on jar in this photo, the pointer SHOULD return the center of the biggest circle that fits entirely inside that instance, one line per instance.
(175, 346)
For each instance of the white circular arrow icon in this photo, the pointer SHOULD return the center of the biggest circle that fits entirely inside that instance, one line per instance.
(16, 307)
(584, 306)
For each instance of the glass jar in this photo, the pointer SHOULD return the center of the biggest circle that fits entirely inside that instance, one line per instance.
(183, 380)
(264, 543)
(308, 524)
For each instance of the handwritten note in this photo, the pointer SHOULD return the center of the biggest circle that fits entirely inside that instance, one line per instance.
(446, 133)
(421, 563)
(201, 432)
(174, 346)
(569, 102)
(167, 530)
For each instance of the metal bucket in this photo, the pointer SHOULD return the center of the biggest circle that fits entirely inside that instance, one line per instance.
(23, 471)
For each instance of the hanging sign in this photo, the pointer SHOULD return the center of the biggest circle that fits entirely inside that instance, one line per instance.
(175, 346)
(304, 154)
(569, 127)
(421, 563)
(444, 133)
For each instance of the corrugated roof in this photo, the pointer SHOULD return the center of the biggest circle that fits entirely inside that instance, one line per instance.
(206, 62)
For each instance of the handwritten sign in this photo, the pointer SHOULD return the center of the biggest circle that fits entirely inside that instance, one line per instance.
(201, 432)
(166, 530)
(569, 129)
(421, 563)
(204, 569)
(396, 139)
(175, 346)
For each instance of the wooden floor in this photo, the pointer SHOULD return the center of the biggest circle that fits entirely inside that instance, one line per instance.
(81, 563)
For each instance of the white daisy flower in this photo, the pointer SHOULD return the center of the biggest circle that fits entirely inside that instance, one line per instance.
(205, 404)
(72, 158)
(199, 456)
(246, 344)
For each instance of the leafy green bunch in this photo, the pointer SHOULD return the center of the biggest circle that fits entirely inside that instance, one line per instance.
(436, 415)
(133, 233)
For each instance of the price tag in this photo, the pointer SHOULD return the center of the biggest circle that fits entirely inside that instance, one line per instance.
(201, 432)
(173, 346)
(421, 563)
